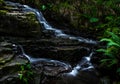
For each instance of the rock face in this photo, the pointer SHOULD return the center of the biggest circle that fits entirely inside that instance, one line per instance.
(16, 21)
(20, 70)
(10, 64)
(55, 48)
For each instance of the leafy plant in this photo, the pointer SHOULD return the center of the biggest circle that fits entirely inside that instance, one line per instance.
(43, 7)
(111, 52)
(25, 74)
(94, 20)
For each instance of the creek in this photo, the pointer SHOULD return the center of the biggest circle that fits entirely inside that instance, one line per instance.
(58, 71)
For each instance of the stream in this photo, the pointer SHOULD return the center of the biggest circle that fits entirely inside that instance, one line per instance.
(57, 32)
(57, 71)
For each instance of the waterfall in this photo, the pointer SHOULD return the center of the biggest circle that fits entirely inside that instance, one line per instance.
(21, 51)
(53, 67)
(44, 62)
(84, 64)
(57, 32)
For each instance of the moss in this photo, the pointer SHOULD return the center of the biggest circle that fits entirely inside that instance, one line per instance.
(7, 7)
(2, 12)
(31, 16)
(24, 25)
(32, 21)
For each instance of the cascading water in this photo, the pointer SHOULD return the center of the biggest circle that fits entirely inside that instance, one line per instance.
(83, 73)
(43, 62)
(44, 23)
(83, 65)
(57, 32)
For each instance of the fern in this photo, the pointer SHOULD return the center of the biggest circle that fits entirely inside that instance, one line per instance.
(111, 56)
(114, 37)
(111, 42)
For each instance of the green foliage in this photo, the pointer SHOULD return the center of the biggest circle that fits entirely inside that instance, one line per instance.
(94, 20)
(43, 7)
(97, 14)
(109, 23)
(62, 7)
(101, 14)
(111, 52)
(25, 74)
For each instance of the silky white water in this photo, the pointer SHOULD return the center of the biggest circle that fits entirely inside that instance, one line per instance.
(84, 64)
(57, 32)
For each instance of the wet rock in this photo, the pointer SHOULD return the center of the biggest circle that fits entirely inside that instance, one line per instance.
(9, 64)
(17, 22)
(54, 48)
(83, 77)
(50, 67)
(57, 49)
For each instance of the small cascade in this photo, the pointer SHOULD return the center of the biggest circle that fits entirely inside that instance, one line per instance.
(19, 49)
(57, 32)
(47, 64)
(47, 27)
(54, 67)
(84, 64)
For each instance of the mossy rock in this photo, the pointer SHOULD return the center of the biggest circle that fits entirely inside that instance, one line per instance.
(10, 64)
(19, 23)
(3, 12)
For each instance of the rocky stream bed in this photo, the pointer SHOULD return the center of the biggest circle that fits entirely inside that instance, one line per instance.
(30, 54)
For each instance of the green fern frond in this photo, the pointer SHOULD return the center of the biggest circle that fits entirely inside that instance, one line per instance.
(101, 50)
(112, 62)
(105, 39)
(110, 42)
(115, 38)
(113, 44)
(105, 60)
